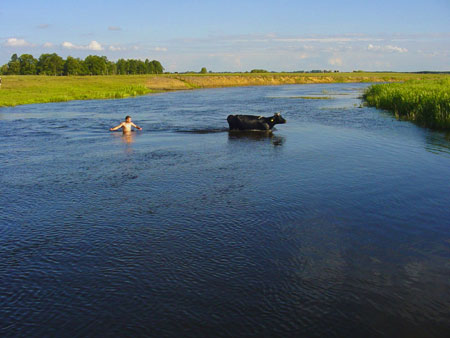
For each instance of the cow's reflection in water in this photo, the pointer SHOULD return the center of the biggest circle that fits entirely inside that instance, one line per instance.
(261, 136)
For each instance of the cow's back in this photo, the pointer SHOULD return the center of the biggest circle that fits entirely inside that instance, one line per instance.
(246, 122)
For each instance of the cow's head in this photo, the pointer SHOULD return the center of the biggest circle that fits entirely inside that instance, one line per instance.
(277, 118)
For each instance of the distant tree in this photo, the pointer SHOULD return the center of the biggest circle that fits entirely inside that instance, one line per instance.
(96, 65)
(4, 70)
(111, 68)
(157, 67)
(258, 71)
(149, 67)
(73, 66)
(84, 68)
(122, 67)
(14, 65)
(27, 64)
(132, 67)
(203, 71)
(141, 67)
(50, 64)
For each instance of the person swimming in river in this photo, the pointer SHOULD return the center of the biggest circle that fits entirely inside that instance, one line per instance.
(126, 125)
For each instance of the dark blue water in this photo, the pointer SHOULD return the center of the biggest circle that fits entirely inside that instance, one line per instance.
(338, 224)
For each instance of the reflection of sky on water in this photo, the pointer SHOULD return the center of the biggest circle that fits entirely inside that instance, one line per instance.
(438, 142)
(335, 223)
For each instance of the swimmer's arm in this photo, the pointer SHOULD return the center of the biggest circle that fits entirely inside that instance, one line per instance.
(137, 127)
(116, 127)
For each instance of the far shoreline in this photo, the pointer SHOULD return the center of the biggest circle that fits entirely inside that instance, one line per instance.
(32, 89)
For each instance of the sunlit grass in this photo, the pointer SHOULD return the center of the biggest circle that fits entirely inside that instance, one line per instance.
(425, 102)
(17, 90)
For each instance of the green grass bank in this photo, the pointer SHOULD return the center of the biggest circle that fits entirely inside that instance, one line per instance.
(425, 102)
(19, 90)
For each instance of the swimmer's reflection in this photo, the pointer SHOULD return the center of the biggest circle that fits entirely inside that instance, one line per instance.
(128, 137)
(256, 136)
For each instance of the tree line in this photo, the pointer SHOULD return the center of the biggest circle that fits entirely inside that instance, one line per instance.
(53, 64)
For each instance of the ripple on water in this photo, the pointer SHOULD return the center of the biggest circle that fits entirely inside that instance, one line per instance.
(332, 225)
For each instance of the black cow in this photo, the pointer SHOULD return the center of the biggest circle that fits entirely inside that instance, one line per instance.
(251, 122)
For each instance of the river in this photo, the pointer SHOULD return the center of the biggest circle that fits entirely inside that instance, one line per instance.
(337, 224)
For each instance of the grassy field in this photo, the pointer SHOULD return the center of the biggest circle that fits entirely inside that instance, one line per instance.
(18, 90)
(425, 102)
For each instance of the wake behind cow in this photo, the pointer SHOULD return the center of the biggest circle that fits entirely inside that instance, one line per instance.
(251, 122)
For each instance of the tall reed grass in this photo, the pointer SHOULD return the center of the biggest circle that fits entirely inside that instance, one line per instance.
(425, 102)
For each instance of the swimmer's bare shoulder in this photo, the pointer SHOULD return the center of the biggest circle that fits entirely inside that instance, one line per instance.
(126, 125)
(117, 127)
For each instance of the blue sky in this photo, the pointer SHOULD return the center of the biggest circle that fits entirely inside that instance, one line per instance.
(231, 35)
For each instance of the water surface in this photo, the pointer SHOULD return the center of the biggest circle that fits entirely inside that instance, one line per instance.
(337, 224)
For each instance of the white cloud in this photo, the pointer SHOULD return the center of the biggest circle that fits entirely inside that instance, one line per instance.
(303, 56)
(330, 39)
(118, 48)
(13, 42)
(386, 48)
(160, 49)
(93, 45)
(335, 61)
(267, 38)
(69, 45)
(48, 45)
(43, 26)
(114, 28)
(115, 48)
(345, 52)
(396, 49)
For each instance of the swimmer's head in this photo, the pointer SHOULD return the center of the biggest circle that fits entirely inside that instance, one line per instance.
(128, 118)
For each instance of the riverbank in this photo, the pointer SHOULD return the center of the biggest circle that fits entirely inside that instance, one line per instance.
(19, 90)
(425, 102)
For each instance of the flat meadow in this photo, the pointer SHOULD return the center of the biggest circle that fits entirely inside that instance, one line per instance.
(30, 89)
(24, 89)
